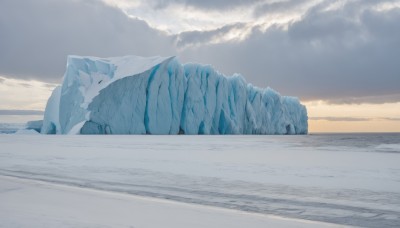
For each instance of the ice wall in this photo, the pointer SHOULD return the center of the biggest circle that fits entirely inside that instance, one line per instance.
(136, 95)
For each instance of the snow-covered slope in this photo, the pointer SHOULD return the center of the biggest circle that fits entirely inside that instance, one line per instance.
(157, 95)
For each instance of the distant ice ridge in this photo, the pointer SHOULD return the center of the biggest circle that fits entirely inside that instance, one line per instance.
(159, 95)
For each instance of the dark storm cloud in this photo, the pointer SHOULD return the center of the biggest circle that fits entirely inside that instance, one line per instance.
(37, 35)
(341, 55)
(203, 4)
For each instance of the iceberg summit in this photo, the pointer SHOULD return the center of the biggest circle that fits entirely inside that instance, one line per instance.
(159, 95)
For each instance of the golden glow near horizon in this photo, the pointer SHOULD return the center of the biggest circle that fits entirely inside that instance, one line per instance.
(325, 117)
(24, 94)
(319, 126)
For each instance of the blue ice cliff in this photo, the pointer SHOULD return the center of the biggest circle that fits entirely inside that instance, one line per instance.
(156, 95)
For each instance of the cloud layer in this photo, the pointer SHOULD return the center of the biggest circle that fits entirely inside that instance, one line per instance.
(37, 35)
(340, 55)
(339, 51)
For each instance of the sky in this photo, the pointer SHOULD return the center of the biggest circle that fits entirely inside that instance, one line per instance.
(340, 57)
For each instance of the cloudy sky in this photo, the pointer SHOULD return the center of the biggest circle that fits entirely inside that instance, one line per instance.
(340, 57)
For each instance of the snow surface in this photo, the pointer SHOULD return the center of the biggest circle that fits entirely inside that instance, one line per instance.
(343, 179)
(27, 203)
(158, 95)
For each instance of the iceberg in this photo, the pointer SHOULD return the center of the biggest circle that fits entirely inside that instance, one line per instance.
(159, 95)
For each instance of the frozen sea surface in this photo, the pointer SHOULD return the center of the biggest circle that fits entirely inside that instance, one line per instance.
(11, 128)
(348, 179)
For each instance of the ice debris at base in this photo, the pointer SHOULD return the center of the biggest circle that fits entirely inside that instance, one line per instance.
(157, 95)
(26, 132)
(18, 128)
(34, 125)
